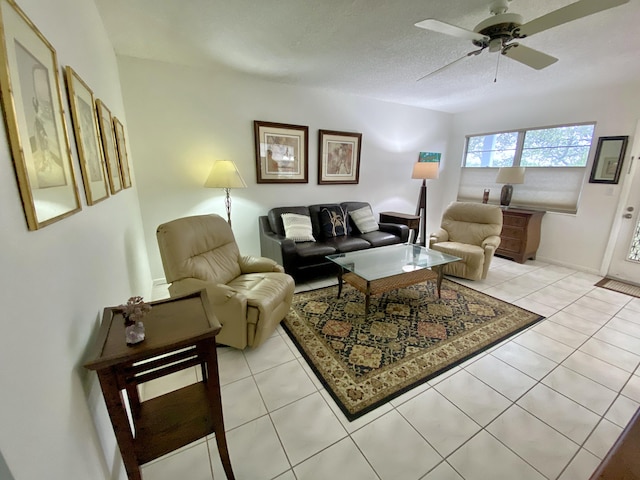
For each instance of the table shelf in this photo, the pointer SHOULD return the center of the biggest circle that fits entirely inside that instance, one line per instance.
(171, 421)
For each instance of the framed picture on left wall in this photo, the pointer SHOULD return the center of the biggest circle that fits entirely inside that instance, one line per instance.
(32, 104)
(105, 120)
(123, 157)
(85, 127)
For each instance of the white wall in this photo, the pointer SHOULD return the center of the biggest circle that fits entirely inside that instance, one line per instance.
(55, 282)
(578, 240)
(182, 119)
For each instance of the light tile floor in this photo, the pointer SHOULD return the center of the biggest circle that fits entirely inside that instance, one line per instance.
(547, 403)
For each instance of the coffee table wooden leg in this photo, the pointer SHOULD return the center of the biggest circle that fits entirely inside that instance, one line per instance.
(340, 271)
(367, 301)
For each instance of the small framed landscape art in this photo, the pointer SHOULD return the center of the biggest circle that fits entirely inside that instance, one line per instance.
(282, 152)
(109, 146)
(607, 163)
(34, 117)
(122, 153)
(85, 127)
(338, 157)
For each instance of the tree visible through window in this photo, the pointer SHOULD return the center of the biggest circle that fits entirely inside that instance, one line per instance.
(565, 146)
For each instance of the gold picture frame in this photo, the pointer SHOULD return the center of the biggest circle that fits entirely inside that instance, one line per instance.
(105, 120)
(123, 157)
(282, 152)
(87, 135)
(34, 117)
(339, 157)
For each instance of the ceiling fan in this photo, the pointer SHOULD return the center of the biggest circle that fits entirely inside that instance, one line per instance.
(499, 32)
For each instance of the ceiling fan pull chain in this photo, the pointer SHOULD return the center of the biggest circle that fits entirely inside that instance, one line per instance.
(495, 79)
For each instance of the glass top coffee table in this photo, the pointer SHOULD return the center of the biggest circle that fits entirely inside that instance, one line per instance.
(382, 269)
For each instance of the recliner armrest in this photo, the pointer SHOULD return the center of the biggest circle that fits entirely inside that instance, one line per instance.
(493, 241)
(440, 236)
(229, 305)
(251, 264)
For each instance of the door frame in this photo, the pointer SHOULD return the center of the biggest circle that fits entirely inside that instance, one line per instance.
(628, 176)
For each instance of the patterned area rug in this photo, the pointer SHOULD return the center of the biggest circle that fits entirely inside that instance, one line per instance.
(409, 337)
(618, 286)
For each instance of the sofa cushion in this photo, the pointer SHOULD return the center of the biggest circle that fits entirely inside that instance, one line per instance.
(347, 243)
(379, 238)
(333, 221)
(297, 227)
(364, 219)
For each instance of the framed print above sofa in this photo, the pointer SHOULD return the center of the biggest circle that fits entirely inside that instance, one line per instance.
(282, 152)
(338, 157)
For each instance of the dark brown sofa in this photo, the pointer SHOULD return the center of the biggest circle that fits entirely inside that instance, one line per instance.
(304, 260)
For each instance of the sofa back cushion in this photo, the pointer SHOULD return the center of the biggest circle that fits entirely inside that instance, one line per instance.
(275, 217)
(471, 223)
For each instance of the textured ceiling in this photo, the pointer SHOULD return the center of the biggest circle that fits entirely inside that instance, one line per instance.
(372, 48)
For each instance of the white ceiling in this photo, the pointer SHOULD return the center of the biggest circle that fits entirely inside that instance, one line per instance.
(372, 48)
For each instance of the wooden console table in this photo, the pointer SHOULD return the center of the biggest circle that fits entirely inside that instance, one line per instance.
(411, 221)
(181, 331)
(520, 235)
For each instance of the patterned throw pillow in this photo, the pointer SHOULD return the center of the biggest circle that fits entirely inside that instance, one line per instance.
(364, 220)
(333, 221)
(297, 227)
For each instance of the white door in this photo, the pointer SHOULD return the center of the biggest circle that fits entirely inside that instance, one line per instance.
(625, 259)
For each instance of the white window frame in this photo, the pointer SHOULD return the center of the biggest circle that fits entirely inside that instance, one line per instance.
(553, 188)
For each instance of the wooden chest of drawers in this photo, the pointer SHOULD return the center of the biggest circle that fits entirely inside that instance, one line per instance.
(520, 235)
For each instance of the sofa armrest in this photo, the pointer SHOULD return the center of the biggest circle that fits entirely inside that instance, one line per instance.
(439, 236)
(276, 247)
(401, 231)
(251, 264)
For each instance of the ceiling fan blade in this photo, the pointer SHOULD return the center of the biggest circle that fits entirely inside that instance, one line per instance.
(470, 54)
(442, 27)
(566, 14)
(528, 56)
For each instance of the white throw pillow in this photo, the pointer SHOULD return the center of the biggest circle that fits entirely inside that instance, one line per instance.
(297, 227)
(364, 220)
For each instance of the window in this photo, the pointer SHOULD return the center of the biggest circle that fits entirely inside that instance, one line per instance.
(566, 146)
(555, 158)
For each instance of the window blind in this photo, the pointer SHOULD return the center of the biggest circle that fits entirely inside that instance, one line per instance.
(553, 188)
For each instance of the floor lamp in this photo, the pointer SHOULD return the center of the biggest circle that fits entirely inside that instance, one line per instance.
(424, 171)
(224, 174)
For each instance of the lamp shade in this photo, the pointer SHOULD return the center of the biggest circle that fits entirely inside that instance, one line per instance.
(425, 170)
(224, 174)
(510, 175)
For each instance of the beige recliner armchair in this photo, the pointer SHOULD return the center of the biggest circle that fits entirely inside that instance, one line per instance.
(249, 295)
(470, 231)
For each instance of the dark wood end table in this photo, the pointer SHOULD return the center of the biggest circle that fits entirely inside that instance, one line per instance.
(180, 333)
(411, 221)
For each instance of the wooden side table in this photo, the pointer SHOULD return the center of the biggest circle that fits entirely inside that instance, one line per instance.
(182, 330)
(411, 221)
